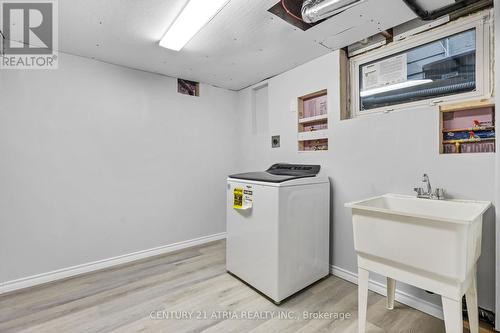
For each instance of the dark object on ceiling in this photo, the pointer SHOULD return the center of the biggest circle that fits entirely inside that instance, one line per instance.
(294, 14)
(434, 14)
(187, 87)
(2, 43)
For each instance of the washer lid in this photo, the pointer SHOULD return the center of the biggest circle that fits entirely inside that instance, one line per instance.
(280, 172)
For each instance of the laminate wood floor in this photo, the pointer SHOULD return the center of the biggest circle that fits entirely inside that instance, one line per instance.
(190, 291)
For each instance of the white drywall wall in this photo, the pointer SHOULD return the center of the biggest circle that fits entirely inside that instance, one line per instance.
(368, 156)
(497, 116)
(93, 158)
(99, 161)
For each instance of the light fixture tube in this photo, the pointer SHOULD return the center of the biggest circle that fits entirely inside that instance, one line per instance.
(192, 18)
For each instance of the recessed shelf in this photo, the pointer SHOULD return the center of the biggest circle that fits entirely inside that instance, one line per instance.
(313, 122)
(467, 127)
(313, 119)
(468, 140)
(484, 128)
(313, 135)
(313, 145)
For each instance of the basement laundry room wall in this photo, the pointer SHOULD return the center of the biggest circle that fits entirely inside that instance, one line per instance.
(99, 161)
(367, 156)
(497, 116)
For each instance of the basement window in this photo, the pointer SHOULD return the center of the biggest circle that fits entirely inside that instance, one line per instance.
(447, 63)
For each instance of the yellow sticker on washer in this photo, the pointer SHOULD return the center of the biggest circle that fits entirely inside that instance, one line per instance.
(243, 197)
(238, 198)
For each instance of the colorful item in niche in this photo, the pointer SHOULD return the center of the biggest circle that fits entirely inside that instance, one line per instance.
(469, 135)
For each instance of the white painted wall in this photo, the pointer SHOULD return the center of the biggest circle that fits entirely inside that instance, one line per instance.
(92, 158)
(497, 116)
(368, 156)
(99, 161)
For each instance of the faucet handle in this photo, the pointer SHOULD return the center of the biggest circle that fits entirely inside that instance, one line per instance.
(439, 193)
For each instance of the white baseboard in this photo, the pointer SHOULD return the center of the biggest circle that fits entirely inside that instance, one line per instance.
(59, 274)
(38, 279)
(380, 288)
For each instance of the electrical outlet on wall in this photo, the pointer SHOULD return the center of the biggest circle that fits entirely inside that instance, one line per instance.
(275, 141)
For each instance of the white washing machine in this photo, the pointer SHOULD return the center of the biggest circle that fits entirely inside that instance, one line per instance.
(278, 228)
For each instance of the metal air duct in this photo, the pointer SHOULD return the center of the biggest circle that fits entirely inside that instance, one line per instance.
(316, 10)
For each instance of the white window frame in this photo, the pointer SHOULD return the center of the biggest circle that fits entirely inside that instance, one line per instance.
(480, 22)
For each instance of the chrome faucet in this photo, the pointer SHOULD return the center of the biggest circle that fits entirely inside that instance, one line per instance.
(426, 180)
(437, 194)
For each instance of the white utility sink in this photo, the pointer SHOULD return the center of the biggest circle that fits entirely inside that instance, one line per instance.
(431, 244)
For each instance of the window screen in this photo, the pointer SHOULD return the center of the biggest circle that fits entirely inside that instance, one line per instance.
(443, 67)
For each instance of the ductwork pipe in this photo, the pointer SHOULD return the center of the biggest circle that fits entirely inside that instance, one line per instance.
(316, 10)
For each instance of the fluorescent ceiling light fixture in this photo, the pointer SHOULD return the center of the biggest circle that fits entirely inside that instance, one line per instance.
(192, 18)
(395, 86)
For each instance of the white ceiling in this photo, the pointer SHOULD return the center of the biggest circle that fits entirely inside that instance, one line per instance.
(242, 45)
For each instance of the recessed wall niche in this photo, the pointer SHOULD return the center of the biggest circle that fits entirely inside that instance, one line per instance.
(313, 122)
(467, 127)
